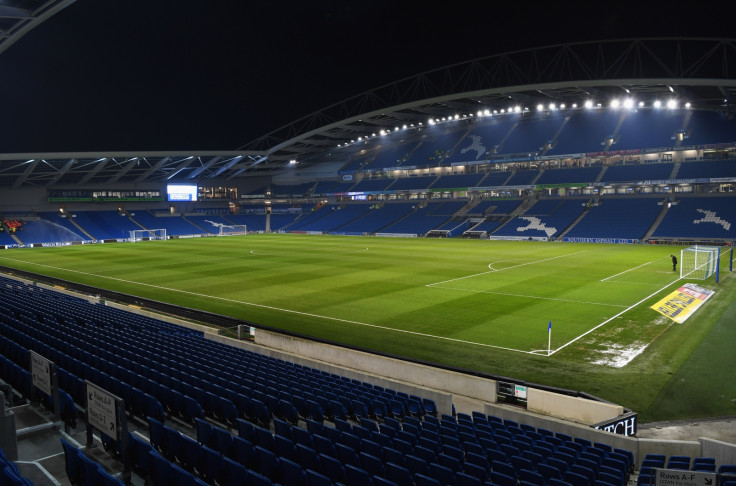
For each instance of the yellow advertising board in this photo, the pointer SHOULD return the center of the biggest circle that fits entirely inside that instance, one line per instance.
(683, 302)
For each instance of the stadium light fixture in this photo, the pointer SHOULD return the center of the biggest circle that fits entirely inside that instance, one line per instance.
(589, 104)
(628, 103)
(615, 103)
(658, 104)
(672, 104)
(540, 107)
(552, 106)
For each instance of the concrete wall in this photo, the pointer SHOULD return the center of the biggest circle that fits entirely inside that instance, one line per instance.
(723, 452)
(398, 374)
(571, 408)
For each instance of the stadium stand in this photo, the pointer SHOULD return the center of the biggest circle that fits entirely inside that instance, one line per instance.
(238, 413)
(625, 218)
(699, 218)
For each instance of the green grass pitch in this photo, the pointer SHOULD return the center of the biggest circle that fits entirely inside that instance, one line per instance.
(475, 304)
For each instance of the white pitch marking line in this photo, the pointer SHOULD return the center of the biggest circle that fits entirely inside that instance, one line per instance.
(262, 306)
(507, 268)
(255, 252)
(614, 317)
(531, 297)
(626, 271)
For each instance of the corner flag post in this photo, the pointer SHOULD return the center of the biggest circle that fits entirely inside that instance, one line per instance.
(549, 338)
(730, 263)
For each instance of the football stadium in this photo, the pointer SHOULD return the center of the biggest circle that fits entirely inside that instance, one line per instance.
(503, 281)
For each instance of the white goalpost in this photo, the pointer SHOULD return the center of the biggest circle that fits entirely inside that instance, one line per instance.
(233, 230)
(147, 235)
(699, 262)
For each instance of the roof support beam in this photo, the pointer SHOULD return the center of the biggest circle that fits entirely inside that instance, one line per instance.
(153, 169)
(98, 167)
(20, 180)
(61, 173)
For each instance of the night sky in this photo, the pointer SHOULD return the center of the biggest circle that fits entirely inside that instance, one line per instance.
(105, 75)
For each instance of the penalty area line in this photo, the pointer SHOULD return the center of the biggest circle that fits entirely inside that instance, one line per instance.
(506, 268)
(626, 271)
(614, 317)
(269, 307)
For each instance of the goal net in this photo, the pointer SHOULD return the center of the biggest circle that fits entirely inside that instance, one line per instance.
(699, 262)
(147, 235)
(233, 230)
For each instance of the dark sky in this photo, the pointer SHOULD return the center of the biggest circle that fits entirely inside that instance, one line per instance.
(213, 75)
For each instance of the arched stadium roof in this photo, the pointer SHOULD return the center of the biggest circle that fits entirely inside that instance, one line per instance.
(698, 71)
(18, 17)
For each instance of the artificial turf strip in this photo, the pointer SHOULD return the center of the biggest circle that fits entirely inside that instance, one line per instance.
(475, 304)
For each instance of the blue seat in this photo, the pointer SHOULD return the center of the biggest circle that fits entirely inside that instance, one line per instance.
(423, 480)
(416, 465)
(393, 455)
(502, 479)
(477, 471)
(315, 478)
(577, 479)
(450, 462)
(357, 476)
(371, 464)
(180, 476)
(323, 445)
(264, 438)
(611, 479)
(301, 436)
(372, 448)
(284, 447)
(156, 434)
(256, 479)
(242, 451)
(190, 453)
(71, 462)
(233, 473)
(246, 430)
(265, 462)
(172, 444)
(204, 432)
(441, 473)
(399, 474)
(291, 473)
(315, 411)
(429, 454)
(465, 479)
(531, 477)
(429, 406)
(332, 468)
(139, 455)
(161, 472)
(212, 464)
(346, 454)
(307, 457)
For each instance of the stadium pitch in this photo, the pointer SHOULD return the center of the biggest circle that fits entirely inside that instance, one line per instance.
(571, 315)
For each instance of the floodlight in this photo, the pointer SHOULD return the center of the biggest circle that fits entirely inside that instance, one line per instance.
(588, 103)
(672, 104)
(628, 103)
(658, 104)
(615, 103)
(540, 107)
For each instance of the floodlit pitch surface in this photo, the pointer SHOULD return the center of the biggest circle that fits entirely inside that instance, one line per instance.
(477, 304)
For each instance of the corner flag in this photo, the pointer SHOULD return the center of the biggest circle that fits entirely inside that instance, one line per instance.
(549, 338)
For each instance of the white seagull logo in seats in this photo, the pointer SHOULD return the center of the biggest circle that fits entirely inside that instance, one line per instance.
(536, 223)
(710, 217)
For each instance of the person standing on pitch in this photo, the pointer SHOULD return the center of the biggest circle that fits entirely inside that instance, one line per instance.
(674, 263)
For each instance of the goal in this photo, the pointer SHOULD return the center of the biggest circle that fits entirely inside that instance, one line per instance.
(699, 262)
(147, 235)
(233, 230)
